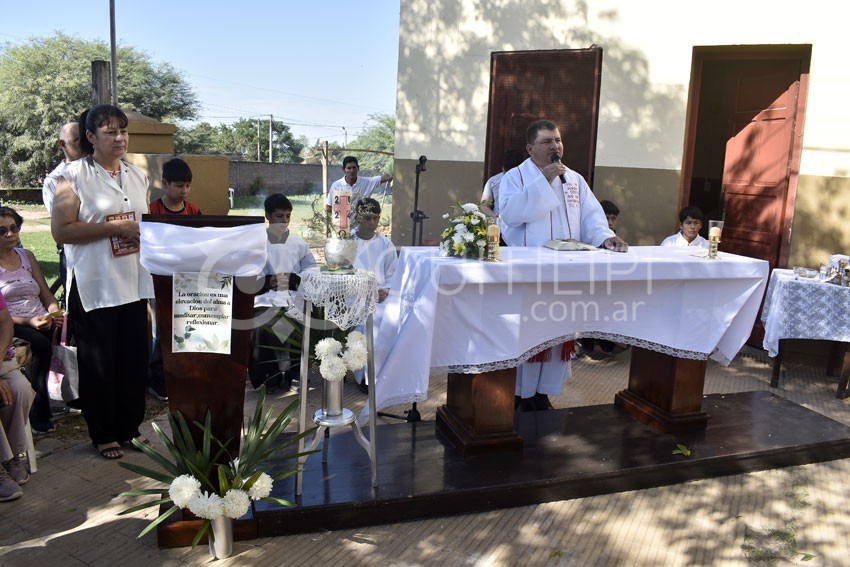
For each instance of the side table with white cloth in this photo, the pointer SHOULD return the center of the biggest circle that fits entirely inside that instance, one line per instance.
(806, 308)
(471, 317)
(348, 299)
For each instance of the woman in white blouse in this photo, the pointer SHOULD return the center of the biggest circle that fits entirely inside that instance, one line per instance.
(99, 202)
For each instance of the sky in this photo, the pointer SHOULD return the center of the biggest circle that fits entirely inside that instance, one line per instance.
(320, 67)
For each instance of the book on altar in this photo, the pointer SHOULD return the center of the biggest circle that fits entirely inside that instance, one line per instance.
(569, 244)
(122, 246)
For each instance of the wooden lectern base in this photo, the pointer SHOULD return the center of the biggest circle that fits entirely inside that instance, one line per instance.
(478, 416)
(664, 392)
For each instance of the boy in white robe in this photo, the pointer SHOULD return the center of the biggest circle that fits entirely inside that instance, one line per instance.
(375, 253)
(288, 256)
(690, 223)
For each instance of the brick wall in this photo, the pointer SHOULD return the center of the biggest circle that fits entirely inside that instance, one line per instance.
(289, 179)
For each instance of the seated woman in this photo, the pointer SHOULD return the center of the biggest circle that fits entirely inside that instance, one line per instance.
(29, 301)
(15, 402)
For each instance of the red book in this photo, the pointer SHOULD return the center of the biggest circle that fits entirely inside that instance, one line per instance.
(122, 246)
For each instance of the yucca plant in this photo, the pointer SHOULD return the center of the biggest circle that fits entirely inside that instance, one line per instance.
(196, 477)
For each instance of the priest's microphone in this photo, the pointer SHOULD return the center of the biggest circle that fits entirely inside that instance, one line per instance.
(557, 159)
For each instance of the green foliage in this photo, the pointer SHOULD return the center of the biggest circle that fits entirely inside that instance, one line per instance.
(240, 138)
(380, 137)
(682, 450)
(313, 154)
(262, 448)
(46, 81)
(257, 184)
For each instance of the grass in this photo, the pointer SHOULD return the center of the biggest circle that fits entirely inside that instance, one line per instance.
(36, 236)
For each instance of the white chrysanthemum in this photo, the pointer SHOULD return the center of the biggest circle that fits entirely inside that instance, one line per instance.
(327, 348)
(355, 358)
(469, 208)
(460, 228)
(446, 216)
(235, 503)
(332, 368)
(469, 237)
(474, 221)
(457, 238)
(182, 489)
(355, 338)
(206, 505)
(481, 243)
(261, 488)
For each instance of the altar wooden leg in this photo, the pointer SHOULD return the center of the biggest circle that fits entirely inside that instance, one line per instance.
(664, 392)
(777, 366)
(478, 416)
(842, 350)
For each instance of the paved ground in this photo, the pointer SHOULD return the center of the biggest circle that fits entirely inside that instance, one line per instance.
(790, 516)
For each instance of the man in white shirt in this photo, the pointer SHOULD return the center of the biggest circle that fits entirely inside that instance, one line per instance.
(69, 143)
(541, 200)
(355, 186)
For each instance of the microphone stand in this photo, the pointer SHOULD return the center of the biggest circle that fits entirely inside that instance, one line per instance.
(412, 415)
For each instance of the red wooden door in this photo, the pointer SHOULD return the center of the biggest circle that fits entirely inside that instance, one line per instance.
(757, 166)
(561, 85)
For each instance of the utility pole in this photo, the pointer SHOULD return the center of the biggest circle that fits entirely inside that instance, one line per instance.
(101, 90)
(345, 132)
(258, 139)
(114, 55)
(325, 161)
(271, 120)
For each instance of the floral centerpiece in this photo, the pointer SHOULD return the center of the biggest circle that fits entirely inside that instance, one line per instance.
(466, 234)
(209, 481)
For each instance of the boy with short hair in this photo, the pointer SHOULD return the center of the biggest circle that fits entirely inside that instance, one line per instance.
(690, 223)
(176, 186)
(288, 256)
(611, 211)
(375, 253)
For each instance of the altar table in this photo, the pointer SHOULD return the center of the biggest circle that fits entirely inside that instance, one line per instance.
(471, 317)
(806, 308)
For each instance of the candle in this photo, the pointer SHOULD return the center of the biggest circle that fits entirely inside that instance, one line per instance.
(714, 232)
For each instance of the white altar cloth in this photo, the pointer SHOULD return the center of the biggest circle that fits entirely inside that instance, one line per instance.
(450, 314)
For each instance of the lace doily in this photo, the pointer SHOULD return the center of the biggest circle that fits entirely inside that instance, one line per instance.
(514, 362)
(348, 298)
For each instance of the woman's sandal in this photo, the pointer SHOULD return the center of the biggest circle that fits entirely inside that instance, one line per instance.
(110, 452)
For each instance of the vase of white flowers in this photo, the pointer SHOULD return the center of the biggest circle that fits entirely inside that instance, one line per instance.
(216, 486)
(221, 537)
(334, 363)
(466, 234)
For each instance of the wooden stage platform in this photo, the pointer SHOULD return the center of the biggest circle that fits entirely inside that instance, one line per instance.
(568, 453)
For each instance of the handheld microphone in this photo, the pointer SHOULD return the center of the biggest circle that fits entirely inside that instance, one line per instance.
(557, 159)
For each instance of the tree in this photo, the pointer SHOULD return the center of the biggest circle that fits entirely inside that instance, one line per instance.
(46, 82)
(380, 137)
(313, 154)
(240, 138)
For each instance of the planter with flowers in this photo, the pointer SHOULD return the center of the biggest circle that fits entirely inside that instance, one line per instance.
(466, 234)
(215, 486)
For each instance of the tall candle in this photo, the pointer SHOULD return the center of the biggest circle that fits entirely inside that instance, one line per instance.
(714, 232)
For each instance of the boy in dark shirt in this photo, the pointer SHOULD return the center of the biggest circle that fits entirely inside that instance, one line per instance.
(176, 186)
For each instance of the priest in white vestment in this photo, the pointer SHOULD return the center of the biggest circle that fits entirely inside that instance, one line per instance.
(541, 200)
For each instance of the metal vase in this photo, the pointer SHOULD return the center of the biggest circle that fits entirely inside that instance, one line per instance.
(221, 537)
(332, 398)
(340, 252)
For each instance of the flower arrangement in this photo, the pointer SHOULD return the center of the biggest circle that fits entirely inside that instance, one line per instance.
(334, 362)
(197, 478)
(466, 235)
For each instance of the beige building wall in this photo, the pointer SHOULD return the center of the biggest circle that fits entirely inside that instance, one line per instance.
(443, 93)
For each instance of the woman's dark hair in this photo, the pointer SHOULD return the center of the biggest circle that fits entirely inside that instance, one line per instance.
(10, 212)
(94, 118)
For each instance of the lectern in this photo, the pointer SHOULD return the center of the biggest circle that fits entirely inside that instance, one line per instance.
(198, 382)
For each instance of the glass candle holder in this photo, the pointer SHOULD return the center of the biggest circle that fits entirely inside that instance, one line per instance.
(715, 229)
